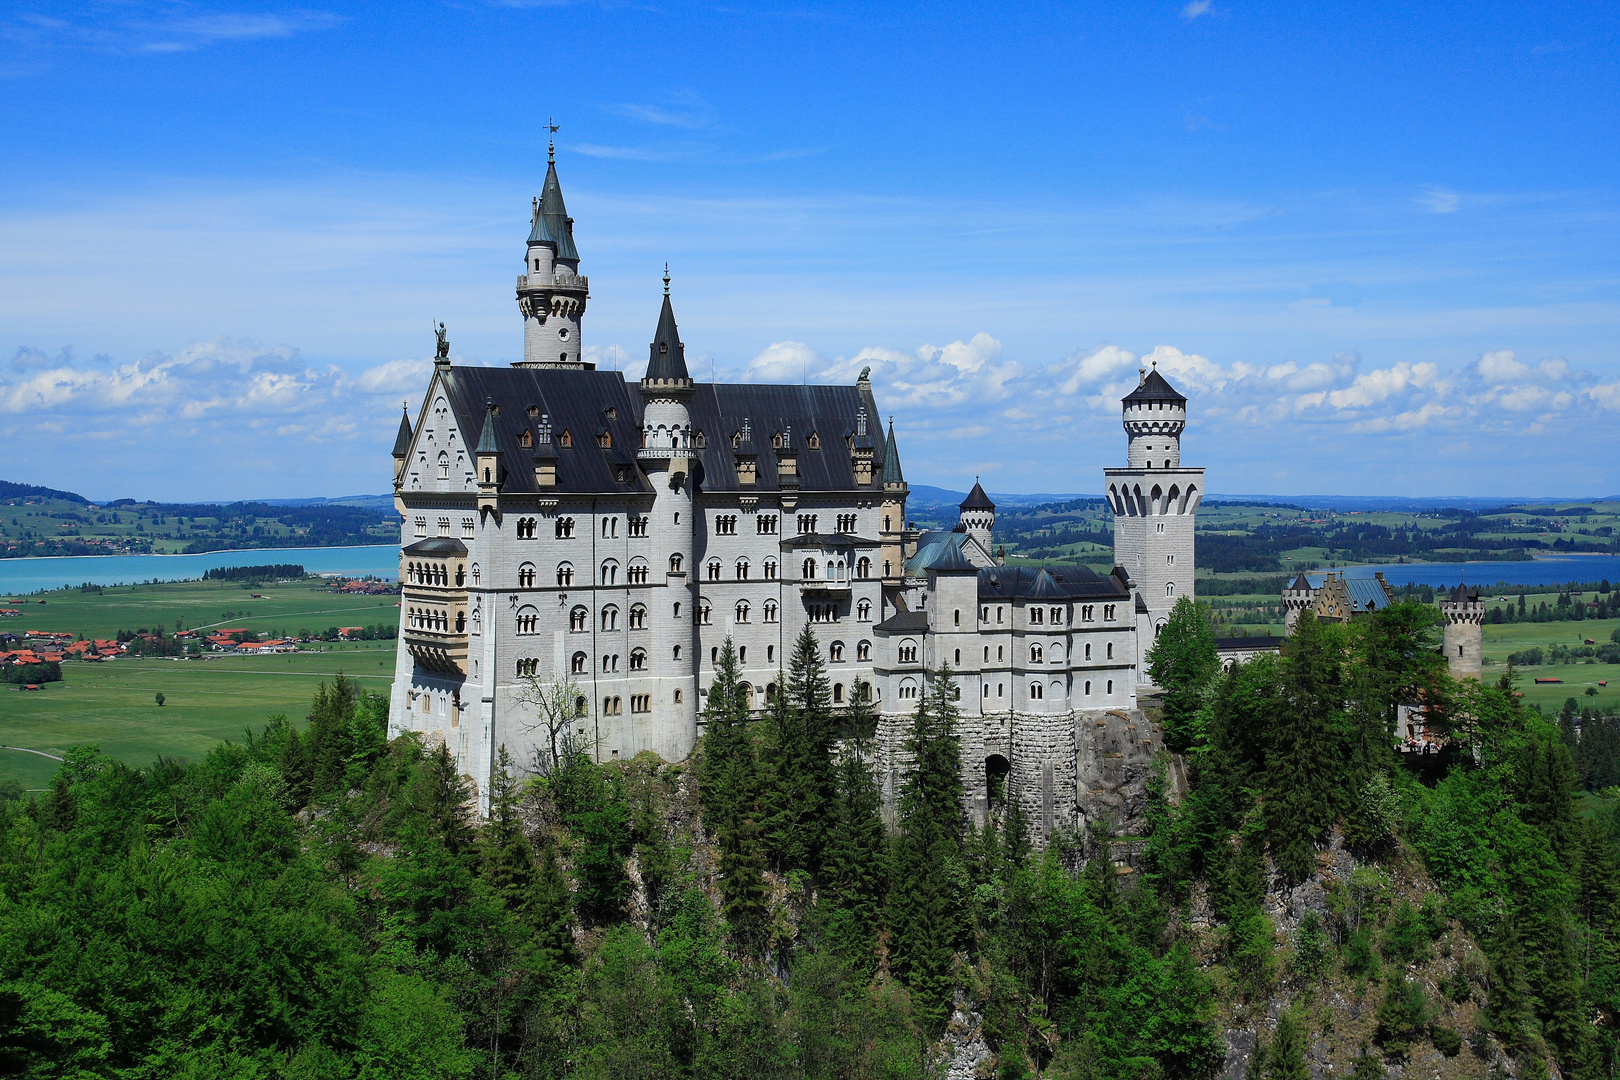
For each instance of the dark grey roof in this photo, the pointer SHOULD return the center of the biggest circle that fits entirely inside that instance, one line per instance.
(950, 560)
(1301, 583)
(1154, 388)
(891, 459)
(977, 499)
(1141, 605)
(402, 442)
(437, 545)
(487, 443)
(577, 402)
(717, 410)
(1462, 593)
(1366, 593)
(667, 359)
(552, 225)
(831, 540)
(1245, 644)
(904, 621)
(1069, 582)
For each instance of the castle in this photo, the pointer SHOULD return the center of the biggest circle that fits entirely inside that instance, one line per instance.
(562, 525)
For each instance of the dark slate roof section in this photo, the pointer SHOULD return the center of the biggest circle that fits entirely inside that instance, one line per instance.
(891, 473)
(827, 540)
(1141, 605)
(577, 402)
(1070, 582)
(552, 225)
(1301, 583)
(718, 409)
(402, 442)
(487, 443)
(1366, 593)
(905, 621)
(1465, 593)
(977, 499)
(437, 545)
(951, 561)
(667, 358)
(1154, 388)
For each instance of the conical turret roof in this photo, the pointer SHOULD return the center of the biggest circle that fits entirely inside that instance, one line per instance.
(667, 360)
(487, 442)
(402, 441)
(977, 499)
(552, 225)
(1154, 387)
(891, 459)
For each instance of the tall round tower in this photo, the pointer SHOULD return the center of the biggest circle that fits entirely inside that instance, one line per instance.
(551, 293)
(667, 458)
(1154, 498)
(1463, 636)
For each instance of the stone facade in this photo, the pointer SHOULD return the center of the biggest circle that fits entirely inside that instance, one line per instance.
(1463, 636)
(566, 529)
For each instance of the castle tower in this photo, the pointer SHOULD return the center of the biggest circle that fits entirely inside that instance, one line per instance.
(1296, 598)
(893, 533)
(977, 516)
(1464, 633)
(667, 459)
(1154, 499)
(551, 294)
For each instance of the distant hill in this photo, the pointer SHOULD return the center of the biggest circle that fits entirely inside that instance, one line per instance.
(9, 490)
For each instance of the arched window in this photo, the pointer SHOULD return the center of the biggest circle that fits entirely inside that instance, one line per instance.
(908, 651)
(528, 620)
(1170, 588)
(1035, 691)
(1088, 652)
(1110, 686)
(714, 569)
(838, 693)
(638, 616)
(610, 572)
(863, 568)
(579, 620)
(1034, 654)
(1088, 688)
(636, 572)
(461, 622)
(1110, 650)
(835, 652)
(565, 575)
(809, 569)
(565, 528)
(770, 569)
(677, 652)
(832, 570)
(444, 465)
(703, 613)
(578, 664)
(770, 611)
(863, 650)
(526, 576)
(675, 563)
(610, 618)
(475, 573)
(908, 690)
(863, 611)
(742, 569)
(742, 611)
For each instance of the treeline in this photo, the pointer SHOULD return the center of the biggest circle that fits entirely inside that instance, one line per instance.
(31, 674)
(1566, 608)
(268, 572)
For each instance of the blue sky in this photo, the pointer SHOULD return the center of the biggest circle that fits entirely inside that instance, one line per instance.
(1377, 246)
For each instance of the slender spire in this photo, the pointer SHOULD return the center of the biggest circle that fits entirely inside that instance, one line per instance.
(666, 360)
(552, 225)
(402, 443)
(891, 460)
(487, 442)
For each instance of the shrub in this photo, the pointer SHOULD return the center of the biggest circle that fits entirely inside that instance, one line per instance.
(1403, 1016)
(1526, 657)
(1406, 938)
(1359, 958)
(1445, 1040)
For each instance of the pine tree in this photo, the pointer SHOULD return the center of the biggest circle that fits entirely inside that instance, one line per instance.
(924, 909)
(730, 790)
(550, 909)
(1286, 1058)
(797, 761)
(1304, 779)
(1183, 663)
(854, 858)
(508, 862)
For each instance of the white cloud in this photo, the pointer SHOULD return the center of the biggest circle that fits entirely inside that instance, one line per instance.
(1195, 9)
(1437, 200)
(1501, 366)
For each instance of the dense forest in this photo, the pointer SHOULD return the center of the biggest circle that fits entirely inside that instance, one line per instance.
(319, 902)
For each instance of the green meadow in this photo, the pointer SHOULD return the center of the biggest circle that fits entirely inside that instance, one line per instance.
(114, 704)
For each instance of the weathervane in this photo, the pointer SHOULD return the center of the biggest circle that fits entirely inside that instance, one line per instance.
(551, 147)
(666, 279)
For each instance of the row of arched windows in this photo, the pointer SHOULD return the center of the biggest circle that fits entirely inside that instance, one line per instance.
(434, 574)
(435, 620)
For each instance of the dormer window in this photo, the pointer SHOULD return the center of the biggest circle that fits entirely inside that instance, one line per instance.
(776, 441)
(566, 439)
(815, 441)
(736, 440)
(533, 411)
(611, 413)
(702, 441)
(663, 348)
(526, 440)
(604, 439)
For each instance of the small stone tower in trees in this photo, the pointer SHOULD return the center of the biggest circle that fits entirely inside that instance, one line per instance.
(1464, 633)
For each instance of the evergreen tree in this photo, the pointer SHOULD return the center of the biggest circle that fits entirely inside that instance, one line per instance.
(796, 753)
(855, 858)
(550, 910)
(1304, 783)
(1285, 1059)
(730, 789)
(508, 861)
(924, 907)
(1183, 663)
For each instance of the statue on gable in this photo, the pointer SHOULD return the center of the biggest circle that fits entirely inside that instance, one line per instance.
(444, 343)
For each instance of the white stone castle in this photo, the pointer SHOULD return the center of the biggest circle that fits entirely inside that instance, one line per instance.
(562, 524)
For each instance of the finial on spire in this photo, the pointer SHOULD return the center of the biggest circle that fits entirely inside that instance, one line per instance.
(551, 144)
(666, 279)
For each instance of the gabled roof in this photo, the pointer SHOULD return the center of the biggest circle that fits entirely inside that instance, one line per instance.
(903, 621)
(402, 442)
(950, 560)
(1154, 388)
(552, 225)
(1069, 582)
(976, 499)
(667, 358)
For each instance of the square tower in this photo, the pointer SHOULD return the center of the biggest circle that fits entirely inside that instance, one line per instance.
(1154, 498)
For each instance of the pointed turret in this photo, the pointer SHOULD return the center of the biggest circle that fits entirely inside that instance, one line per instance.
(977, 499)
(402, 445)
(551, 224)
(977, 515)
(488, 456)
(551, 292)
(487, 442)
(892, 476)
(666, 361)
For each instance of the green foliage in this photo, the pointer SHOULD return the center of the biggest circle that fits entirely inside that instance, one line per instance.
(1403, 1016)
(732, 798)
(1183, 664)
(1445, 1040)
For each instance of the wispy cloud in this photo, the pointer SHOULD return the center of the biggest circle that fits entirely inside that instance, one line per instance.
(167, 29)
(1195, 9)
(1438, 200)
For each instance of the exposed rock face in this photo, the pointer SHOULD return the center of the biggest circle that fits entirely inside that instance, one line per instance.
(1068, 770)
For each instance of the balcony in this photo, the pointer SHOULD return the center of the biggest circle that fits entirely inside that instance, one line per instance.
(435, 651)
(817, 588)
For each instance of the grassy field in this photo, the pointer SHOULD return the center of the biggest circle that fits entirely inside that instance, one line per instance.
(283, 609)
(1513, 637)
(114, 704)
